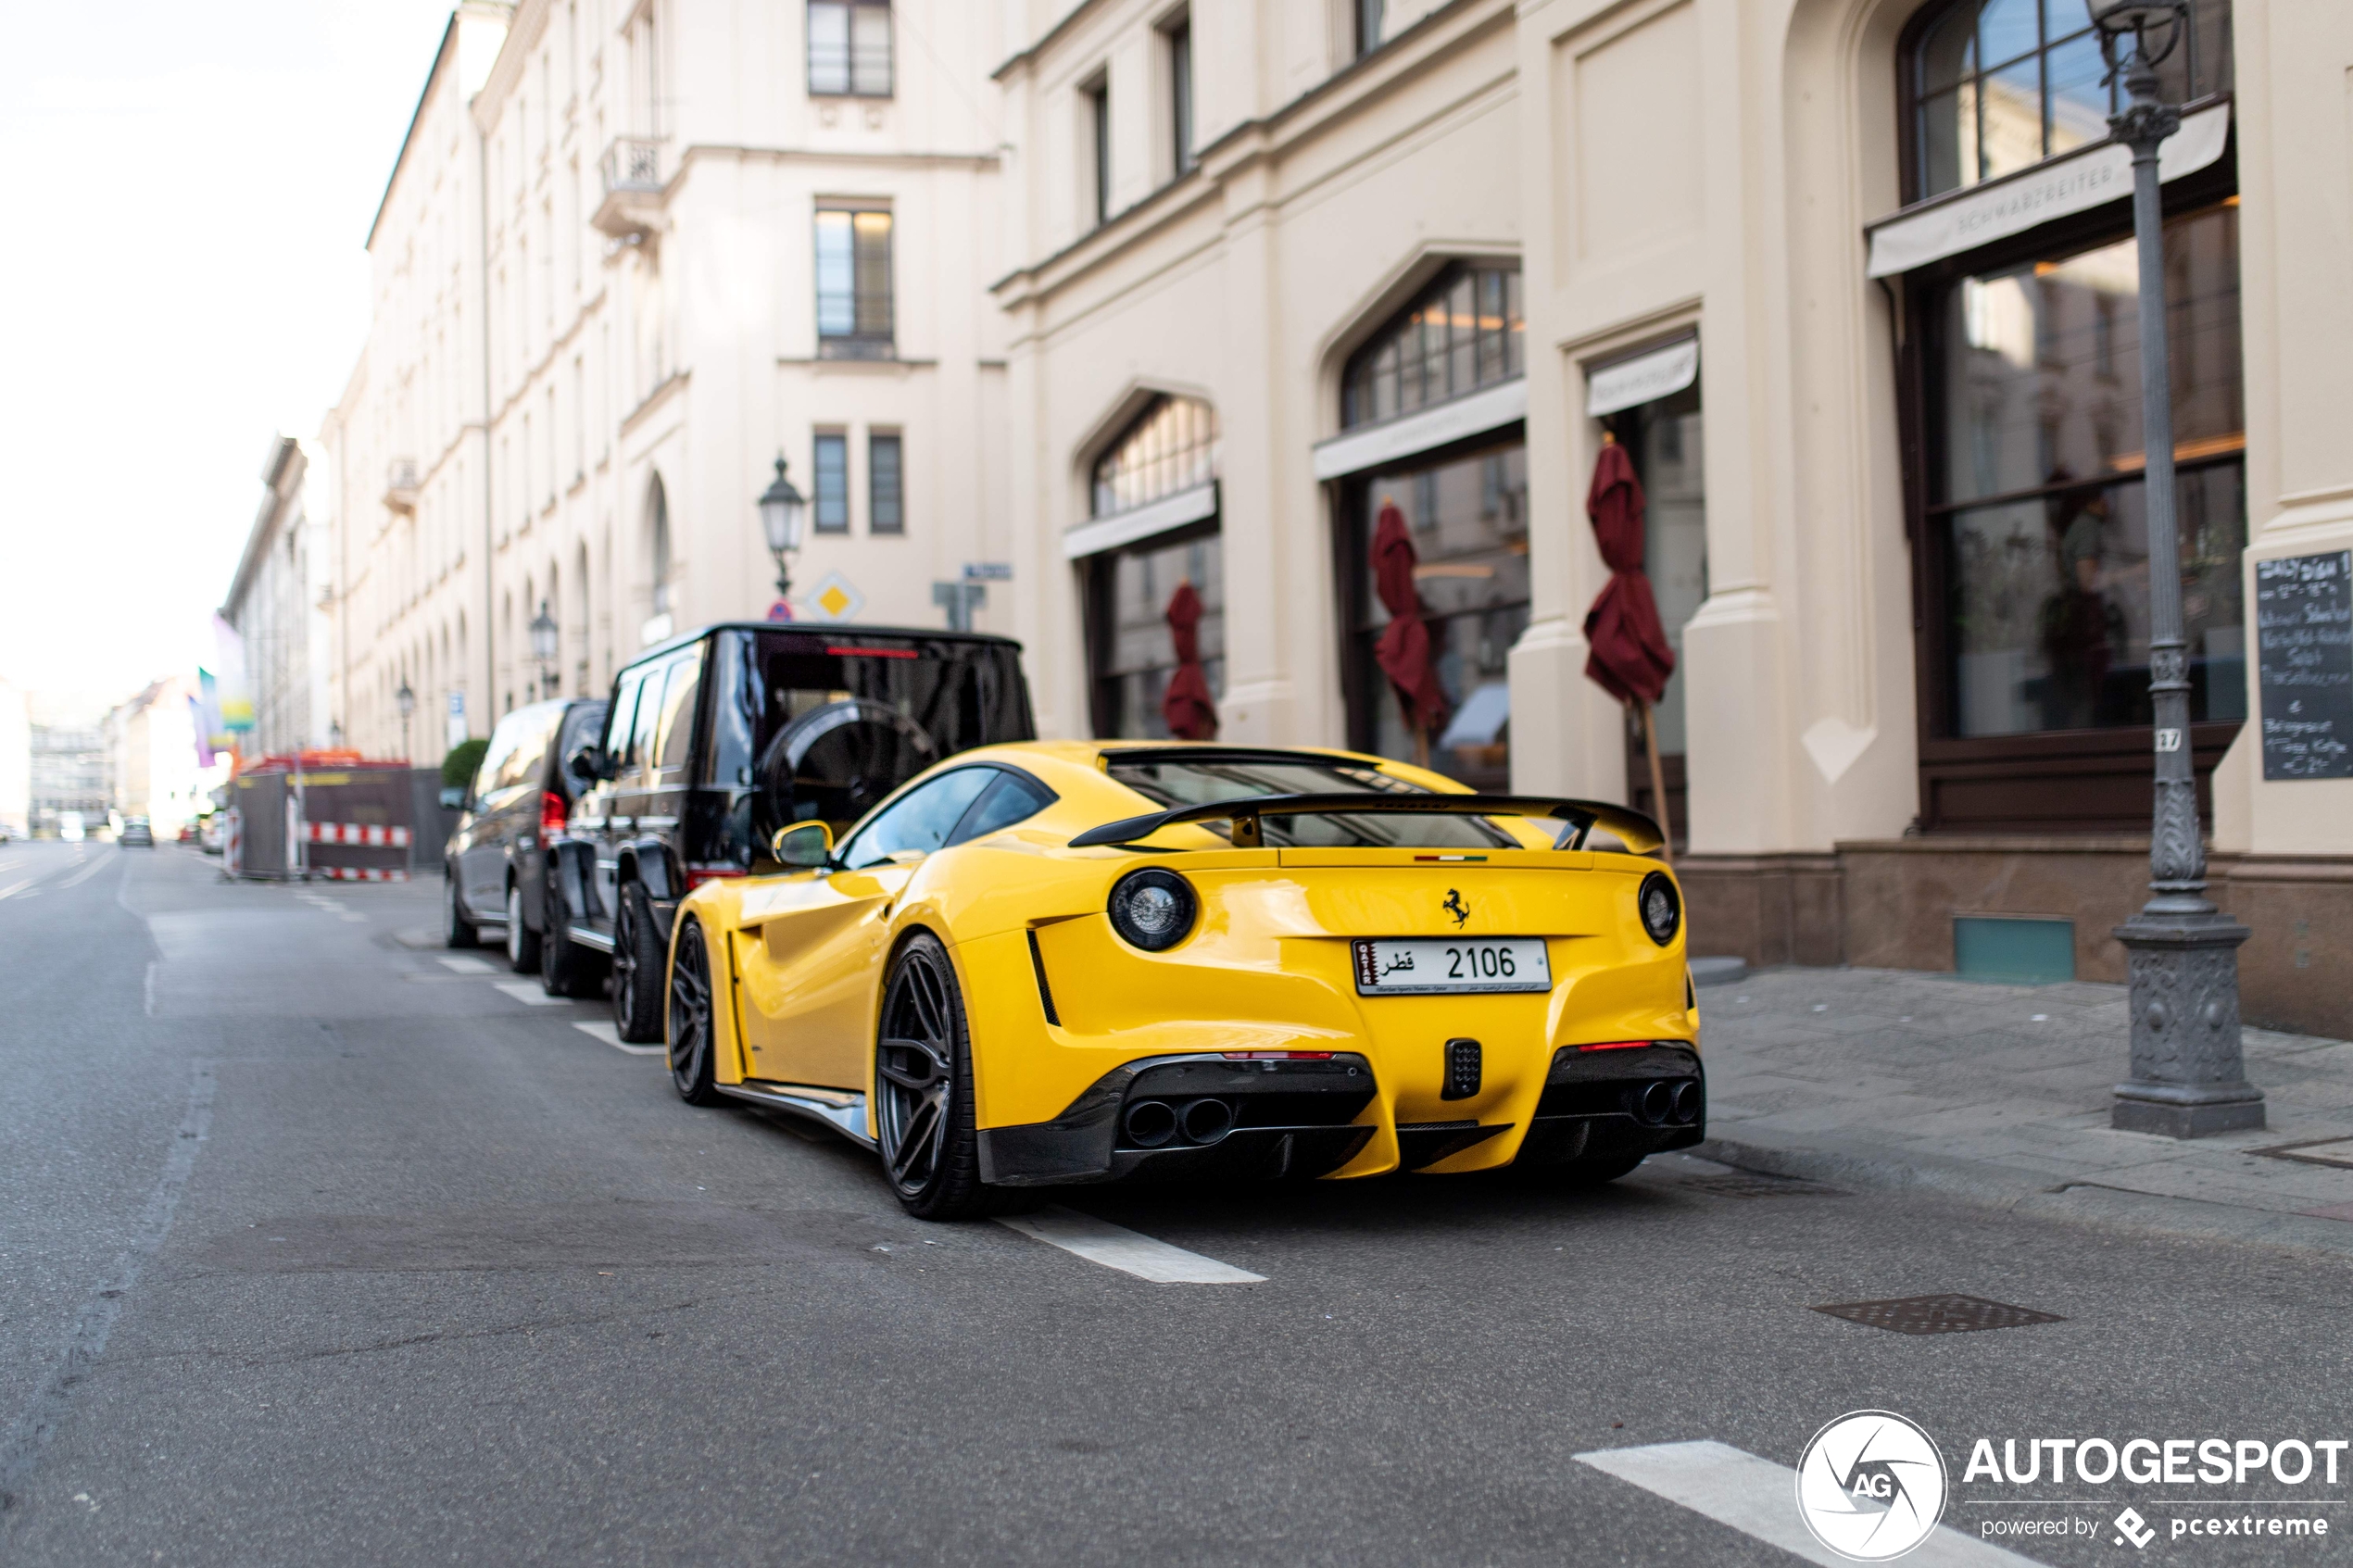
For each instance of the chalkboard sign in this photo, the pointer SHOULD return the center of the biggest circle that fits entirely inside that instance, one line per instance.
(2304, 662)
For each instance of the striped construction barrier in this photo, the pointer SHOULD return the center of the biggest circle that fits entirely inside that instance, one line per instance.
(359, 833)
(357, 874)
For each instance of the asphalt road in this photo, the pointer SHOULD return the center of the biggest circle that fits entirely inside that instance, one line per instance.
(314, 1250)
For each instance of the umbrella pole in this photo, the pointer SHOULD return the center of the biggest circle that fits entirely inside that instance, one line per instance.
(1421, 744)
(1659, 782)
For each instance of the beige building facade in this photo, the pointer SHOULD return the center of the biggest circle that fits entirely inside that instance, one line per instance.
(631, 256)
(1297, 285)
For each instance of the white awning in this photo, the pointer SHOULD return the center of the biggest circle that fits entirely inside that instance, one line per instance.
(1473, 414)
(1641, 378)
(1948, 225)
(1140, 522)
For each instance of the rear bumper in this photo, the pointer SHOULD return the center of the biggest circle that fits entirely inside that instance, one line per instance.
(1298, 1119)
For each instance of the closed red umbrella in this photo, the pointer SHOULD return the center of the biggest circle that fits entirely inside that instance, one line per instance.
(1404, 651)
(1630, 659)
(1185, 706)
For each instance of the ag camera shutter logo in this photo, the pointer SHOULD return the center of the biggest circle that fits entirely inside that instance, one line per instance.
(1871, 1485)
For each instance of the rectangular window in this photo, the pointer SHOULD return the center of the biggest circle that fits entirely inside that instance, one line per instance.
(849, 48)
(853, 283)
(886, 508)
(1179, 35)
(832, 510)
(1097, 106)
(1368, 25)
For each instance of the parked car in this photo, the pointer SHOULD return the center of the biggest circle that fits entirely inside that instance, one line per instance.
(136, 831)
(715, 740)
(494, 867)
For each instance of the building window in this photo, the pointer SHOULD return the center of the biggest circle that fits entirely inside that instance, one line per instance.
(1171, 447)
(1369, 15)
(853, 283)
(1179, 35)
(1096, 102)
(2030, 503)
(886, 507)
(1998, 85)
(832, 468)
(849, 48)
(1465, 332)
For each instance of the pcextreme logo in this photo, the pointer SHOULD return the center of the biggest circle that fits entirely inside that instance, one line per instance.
(1871, 1485)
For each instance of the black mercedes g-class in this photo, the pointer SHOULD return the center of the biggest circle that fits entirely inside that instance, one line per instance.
(714, 740)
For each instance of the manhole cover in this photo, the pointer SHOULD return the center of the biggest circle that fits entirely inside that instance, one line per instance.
(1749, 1185)
(2337, 1152)
(1938, 1315)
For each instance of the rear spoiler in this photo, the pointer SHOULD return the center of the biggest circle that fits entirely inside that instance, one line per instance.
(1638, 833)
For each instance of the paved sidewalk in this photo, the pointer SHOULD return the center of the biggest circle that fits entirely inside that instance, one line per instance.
(1886, 1078)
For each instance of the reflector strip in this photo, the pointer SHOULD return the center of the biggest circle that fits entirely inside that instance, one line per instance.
(368, 835)
(1614, 1045)
(357, 874)
(1276, 1056)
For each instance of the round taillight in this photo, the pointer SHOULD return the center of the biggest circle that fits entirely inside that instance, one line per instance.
(1152, 908)
(1661, 905)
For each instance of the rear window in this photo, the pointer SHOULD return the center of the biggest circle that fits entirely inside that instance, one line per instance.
(1172, 779)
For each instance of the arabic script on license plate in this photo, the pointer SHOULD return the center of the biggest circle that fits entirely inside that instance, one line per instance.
(1425, 966)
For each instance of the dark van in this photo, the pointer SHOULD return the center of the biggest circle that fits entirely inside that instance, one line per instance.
(494, 867)
(715, 740)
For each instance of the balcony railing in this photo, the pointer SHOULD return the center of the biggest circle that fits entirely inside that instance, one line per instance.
(632, 172)
(400, 484)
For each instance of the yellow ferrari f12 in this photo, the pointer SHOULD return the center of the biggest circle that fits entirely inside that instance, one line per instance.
(1058, 962)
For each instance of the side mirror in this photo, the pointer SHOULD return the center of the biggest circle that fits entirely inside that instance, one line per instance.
(589, 765)
(804, 845)
(454, 799)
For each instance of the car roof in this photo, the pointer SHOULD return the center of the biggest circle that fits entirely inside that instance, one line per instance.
(825, 628)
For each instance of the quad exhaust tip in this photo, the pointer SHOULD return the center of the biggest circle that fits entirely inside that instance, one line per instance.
(1661, 1102)
(1154, 1123)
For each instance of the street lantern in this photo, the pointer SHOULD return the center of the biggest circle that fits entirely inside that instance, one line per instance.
(544, 632)
(782, 510)
(405, 700)
(2189, 1073)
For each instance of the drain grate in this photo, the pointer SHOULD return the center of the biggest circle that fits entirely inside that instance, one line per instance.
(1938, 1315)
(1749, 1183)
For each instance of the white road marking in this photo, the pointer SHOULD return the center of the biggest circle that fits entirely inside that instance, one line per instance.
(468, 966)
(15, 888)
(1758, 1497)
(1115, 1246)
(602, 1029)
(529, 994)
(86, 873)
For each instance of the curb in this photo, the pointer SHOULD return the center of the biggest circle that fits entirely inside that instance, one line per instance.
(2000, 1187)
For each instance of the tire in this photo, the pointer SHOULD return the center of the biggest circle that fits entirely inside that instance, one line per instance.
(687, 1024)
(923, 1106)
(639, 957)
(522, 943)
(457, 931)
(566, 968)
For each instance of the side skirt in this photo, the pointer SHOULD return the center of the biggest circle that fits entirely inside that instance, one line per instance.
(588, 936)
(841, 1110)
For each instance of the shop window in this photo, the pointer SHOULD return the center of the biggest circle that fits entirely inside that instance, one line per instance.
(1997, 85)
(853, 283)
(849, 48)
(1466, 514)
(1465, 332)
(1171, 447)
(1666, 439)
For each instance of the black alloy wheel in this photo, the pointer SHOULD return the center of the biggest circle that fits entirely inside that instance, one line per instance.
(637, 957)
(924, 1091)
(691, 1032)
(566, 968)
(522, 943)
(457, 931)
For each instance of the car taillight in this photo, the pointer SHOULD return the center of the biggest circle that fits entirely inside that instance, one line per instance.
(552, 812)
(697, 875)
(1276, 1056)
(1613, 1044)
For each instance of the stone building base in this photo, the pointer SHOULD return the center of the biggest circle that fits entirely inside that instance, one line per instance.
(1891, 905)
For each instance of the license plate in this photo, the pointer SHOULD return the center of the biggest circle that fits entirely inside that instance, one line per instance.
(1425, 966)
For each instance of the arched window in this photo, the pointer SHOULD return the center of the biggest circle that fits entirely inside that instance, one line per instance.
(1994, 86)
(1172, 446)
(1464, 333)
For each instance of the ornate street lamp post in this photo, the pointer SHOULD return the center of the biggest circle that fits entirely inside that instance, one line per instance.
(406, 701)
(543, 630)
(783, 510)
(2189, 1077)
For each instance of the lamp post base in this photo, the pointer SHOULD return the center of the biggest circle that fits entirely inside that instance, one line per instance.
(2189, 1077)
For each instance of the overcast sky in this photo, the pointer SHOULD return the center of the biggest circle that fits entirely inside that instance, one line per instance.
(184, 277)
